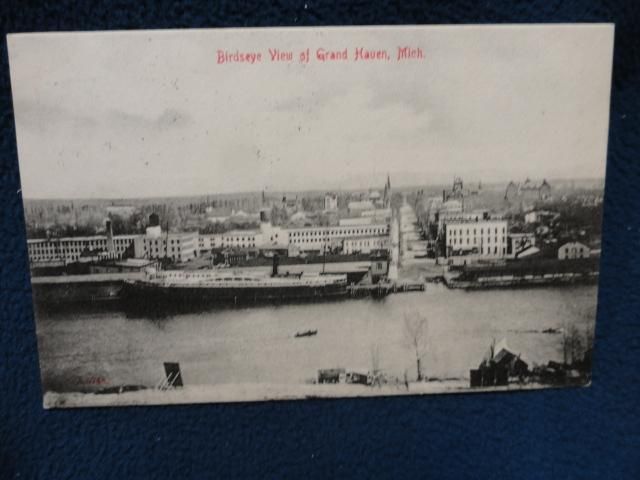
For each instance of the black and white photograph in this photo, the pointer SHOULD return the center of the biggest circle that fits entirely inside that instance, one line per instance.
(231, 215)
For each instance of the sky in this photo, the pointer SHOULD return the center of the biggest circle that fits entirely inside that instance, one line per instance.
(153, 113)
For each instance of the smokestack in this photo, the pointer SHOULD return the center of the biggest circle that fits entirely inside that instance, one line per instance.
(275, 265)
(110, 247)
(443, 196)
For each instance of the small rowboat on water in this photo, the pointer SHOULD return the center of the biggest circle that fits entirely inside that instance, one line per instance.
(308, 333)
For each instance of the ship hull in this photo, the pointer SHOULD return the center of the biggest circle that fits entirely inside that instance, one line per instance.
(140, 291)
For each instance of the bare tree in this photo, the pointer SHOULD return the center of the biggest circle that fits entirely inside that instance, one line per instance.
(375, 365)
(416, 328)
(375, 358)
(572, 344)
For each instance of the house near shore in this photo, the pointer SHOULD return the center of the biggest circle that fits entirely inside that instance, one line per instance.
(497, 366)
(572, 250)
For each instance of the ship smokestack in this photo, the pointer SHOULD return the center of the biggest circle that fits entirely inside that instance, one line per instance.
(275, 265)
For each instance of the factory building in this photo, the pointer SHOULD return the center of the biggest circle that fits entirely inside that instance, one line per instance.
(241, 238)
(210, 241)
(319, 238)
(178, 246)
(72, 249)
(365, 244)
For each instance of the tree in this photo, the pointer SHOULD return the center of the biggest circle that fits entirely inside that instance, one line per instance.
(375, 365)
(416, 328)
(572, 345)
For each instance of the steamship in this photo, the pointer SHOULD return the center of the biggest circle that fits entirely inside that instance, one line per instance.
(212, 286)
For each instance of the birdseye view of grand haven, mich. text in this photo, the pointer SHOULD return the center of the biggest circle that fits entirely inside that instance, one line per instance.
(287, 213)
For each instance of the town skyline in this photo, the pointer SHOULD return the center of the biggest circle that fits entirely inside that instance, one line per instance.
(397, 185)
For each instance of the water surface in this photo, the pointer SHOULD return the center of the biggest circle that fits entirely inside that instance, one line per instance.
(79, 348)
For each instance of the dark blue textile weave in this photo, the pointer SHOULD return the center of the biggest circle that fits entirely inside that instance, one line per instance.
(572, 433)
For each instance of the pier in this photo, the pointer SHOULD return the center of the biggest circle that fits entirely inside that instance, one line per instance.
(384, 289)
(80, 288)
(523, 274)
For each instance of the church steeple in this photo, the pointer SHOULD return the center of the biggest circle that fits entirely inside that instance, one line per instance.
(387, 193)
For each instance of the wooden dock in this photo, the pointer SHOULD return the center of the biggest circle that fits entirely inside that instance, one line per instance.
(380, 290)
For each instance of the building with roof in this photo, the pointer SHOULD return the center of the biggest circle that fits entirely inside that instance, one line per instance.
(527, 190)
(521, 245)
(241, 239)
(481, 238)
(71, 249)
(366, 244)
(209, 241)
(443, 217)
(330, 202)
(177, 246)
(319, 238)
(572, 250)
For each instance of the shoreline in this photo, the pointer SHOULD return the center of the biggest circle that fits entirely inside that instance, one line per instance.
(258, 392)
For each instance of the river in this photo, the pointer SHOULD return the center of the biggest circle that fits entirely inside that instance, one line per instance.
(81, 350)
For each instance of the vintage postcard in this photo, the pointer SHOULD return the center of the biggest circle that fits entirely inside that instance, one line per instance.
(286, 213)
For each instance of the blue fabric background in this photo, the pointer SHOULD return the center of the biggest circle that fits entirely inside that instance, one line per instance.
(573, 433)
